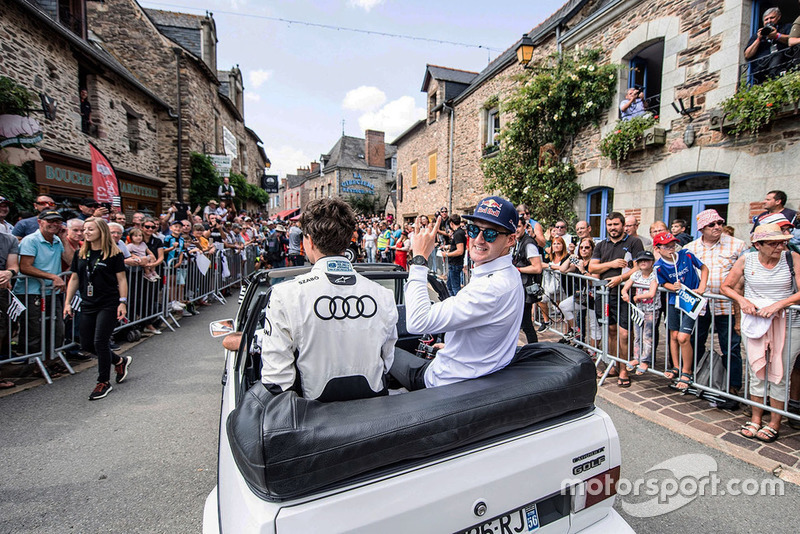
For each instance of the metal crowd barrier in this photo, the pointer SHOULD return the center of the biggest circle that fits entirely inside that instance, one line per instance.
(573, 320)
(147, 302)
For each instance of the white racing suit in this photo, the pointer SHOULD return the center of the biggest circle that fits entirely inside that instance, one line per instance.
(329, 333)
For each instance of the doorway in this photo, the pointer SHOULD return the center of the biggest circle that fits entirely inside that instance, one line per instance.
(687, 196)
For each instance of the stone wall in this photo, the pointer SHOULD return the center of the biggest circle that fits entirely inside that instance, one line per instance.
(703, 42)
(40, 60)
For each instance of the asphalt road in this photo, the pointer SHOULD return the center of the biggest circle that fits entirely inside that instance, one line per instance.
(646, 445)
(144, 458)
(141, 460)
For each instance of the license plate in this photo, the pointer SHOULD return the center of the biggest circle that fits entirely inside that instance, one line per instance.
(525, 519)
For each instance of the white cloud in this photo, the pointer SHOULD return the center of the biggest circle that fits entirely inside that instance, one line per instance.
(364, 98)
(259, 77)
(250, 96)
(366, 5)
(394, 118)
(286, 159)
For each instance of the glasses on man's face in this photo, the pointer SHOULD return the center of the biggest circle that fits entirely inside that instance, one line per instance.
(46, 203)
(149, 226)
(489, 234)
(560, 227)
(715, 223)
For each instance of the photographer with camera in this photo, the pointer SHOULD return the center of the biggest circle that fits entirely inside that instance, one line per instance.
(633, 105)
(763, 47)
(528, 262)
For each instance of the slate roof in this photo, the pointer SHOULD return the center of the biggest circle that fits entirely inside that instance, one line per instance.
(294, 180)
(447, 74)
(183, 28)
(348, 152)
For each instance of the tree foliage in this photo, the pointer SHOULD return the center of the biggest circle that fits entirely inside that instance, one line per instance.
(206, 181)
(18, 187)
(362, 204)
(14, 98)
(553, 103)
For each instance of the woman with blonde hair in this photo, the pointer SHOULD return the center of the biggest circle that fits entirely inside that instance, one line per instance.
(99, 272)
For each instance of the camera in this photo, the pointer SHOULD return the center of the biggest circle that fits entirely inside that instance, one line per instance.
(766, 30)
(106, 205)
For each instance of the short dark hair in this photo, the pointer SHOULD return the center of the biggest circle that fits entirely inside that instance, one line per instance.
(455, 219)
(616, 215)
(330, 223)
(779, 196)
(681, 222)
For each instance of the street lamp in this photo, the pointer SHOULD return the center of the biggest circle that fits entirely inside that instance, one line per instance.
(268, 163)
(524, 50)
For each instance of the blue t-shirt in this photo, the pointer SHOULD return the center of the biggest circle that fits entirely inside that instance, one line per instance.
(173, 254)
(47, 258)
(688, 266)
(26, 227)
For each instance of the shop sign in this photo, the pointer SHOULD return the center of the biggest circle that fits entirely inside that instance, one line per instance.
(230, 142)
(55, 175)
(222, 163)
(138, 190)
(357, 186)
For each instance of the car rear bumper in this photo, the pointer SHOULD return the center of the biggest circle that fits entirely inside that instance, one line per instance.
(612, 523)
(211, 514)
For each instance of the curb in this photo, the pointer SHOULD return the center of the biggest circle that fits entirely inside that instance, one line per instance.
(788, 474)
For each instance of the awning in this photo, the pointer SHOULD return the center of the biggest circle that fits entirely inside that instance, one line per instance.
(286, 213)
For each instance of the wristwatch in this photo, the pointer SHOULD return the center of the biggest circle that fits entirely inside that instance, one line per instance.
(123, 300)
(419, 260)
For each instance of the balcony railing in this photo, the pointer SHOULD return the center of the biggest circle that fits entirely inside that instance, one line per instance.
(770, 66)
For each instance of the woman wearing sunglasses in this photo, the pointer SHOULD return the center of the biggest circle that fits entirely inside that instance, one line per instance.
(482, 321)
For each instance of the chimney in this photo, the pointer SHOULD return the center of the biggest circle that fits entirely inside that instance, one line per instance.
(302, 171)
(374, 148)
(314, 166)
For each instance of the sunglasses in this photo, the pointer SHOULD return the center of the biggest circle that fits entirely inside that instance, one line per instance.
(715, 223)
(51, 204)
(560, 227)
(489, 234)
(149, 226)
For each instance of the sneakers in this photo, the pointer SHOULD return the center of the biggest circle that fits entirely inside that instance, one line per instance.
(176, 306)
(122, 368)
(186, 313)
(101, 390)
(544, 326)
(151, 330)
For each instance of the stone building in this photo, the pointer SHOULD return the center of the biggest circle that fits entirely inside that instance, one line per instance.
(353, 168)
(49, 49)
(175, 55)
(673, 50)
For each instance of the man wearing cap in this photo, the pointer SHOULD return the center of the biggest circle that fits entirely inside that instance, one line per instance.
(482, 321)
(90, 208)
(28, 226)
(210, 209)
(719, 252)
(612, 260)
(41, 254)
(5, 226)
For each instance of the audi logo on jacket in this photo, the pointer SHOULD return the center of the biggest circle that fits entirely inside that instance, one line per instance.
(330, 334)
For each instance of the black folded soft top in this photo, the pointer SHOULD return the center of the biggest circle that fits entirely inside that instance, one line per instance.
(287, 447)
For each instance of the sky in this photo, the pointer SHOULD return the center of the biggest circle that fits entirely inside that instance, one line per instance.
(301, 81)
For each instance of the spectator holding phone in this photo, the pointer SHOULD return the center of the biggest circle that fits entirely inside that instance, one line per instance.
(98, 270)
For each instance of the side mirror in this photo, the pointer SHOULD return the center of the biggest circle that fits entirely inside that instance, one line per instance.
(221, 328)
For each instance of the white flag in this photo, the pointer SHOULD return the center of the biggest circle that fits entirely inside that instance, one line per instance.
(637, 316)
(15, 307)
(76, 302)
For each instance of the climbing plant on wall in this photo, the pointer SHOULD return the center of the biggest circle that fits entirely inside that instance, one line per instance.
(553, 103)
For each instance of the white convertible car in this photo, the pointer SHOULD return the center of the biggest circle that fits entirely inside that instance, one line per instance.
(521, 450)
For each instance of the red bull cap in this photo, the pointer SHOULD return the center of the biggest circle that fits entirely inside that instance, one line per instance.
(497, 211)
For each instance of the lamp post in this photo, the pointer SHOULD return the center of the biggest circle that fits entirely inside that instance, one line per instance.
(525, 51)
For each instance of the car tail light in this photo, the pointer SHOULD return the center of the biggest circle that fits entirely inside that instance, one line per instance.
(595, 489)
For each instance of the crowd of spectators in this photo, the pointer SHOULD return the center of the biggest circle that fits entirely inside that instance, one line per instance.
(36, 258)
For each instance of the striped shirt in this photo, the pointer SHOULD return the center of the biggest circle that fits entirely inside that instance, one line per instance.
(719, 258)
(769, 284)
